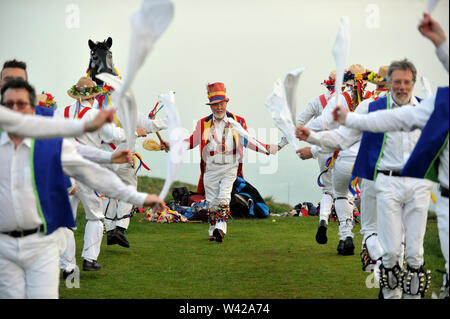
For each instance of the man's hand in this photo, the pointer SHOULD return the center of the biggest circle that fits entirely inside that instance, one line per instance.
(154, 202)
(165, 146)
(121, 156)
(432, 30)
(340, 114)
(302, 133)
(272, 148)
(104, 116)
(141, 132)
(305, 153)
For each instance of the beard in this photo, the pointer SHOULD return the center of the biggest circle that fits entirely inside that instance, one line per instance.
(401, 100)
(219, 116)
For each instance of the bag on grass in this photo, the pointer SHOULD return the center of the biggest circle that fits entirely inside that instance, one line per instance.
(246, 201)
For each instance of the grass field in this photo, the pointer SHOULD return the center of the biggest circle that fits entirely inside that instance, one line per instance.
(258, 259)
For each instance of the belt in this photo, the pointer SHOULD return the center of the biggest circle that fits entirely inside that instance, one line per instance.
(23, 233)
(444, 191)
(390, 173)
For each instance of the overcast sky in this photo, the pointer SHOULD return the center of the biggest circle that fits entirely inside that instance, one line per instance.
(245, 44)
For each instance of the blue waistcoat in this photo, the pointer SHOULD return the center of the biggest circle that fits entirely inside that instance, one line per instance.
(49, 181)
(424, 159)
(372, 145)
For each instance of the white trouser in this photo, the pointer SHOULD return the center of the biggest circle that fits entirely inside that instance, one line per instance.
(402, 207)
(115, 210)
(442, 218)
(68, 261)
(344, 210)
(326, 202)
(218, 182)
(369, 219)
(93, 232)
(29, 266)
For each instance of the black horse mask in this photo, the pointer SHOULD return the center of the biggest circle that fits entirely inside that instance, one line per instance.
(101, 59)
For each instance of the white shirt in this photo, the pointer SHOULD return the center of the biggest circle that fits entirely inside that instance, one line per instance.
(38, 126)
(405, 118)
(108, 133)
(215, 139)
(325, 122)
(442, 53)
(18, 202)
(342, 138)
(94, 154)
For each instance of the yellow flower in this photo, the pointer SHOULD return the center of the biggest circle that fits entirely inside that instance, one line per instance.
(358, 77)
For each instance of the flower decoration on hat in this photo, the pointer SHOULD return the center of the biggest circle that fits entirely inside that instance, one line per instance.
(85, 89)
(329, 83)
(46, 100)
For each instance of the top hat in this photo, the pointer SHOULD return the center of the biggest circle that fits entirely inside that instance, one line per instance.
(216, 93)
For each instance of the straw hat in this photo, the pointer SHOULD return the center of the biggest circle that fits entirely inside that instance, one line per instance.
(216, 93)
(46, 100)
(85, 89)
(355, 70)
(379, 78)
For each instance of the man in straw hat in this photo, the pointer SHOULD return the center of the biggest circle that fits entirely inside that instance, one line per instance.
(402, 202)
(429, 159)
(355, 80)
(221, 151)
(312, 110)
(84, 93)
(35, 206)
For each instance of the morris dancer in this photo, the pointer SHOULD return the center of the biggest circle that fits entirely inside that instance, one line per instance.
(35, 206)
(430, 156)
(402, 202)
(221, 151)
(343, 138)
(355, 79)
(314, 109)
(117, 213)
(84, 93)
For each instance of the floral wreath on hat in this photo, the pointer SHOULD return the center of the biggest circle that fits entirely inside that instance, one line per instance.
(356, 77)
(87, 91)
(49, 102)
(375, 77)
(329, 83)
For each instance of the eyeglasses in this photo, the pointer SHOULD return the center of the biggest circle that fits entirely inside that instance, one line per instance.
(20, 104)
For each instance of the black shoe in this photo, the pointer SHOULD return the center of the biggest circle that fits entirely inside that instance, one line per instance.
(349, 247)
(219, 235)
(121, 238)
(91, 265)
(340, 247)
(66, 274)
(110, 237)
(321, 236)
(212, 238)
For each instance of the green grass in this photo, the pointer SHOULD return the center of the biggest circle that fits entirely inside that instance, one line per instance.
(258, 259)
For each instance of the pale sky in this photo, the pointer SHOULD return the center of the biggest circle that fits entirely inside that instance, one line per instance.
(247, 45)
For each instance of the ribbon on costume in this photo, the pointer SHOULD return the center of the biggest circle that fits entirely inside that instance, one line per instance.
(99, 195)
(329, 163)
(152, 114)
(141, 163)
